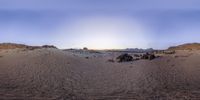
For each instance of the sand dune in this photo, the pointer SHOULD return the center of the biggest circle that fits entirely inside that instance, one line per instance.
(53, 74)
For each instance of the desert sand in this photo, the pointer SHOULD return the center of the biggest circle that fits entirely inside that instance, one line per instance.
(54, 74)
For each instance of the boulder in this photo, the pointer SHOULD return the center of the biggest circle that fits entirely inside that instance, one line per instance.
(148, 56)
(152, 56)
(137, 55)
(85, 48)
(124, 58)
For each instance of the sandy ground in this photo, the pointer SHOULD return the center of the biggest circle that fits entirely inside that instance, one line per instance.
(52, 74)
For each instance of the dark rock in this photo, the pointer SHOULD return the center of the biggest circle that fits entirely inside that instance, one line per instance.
(148, 56)
(145, 56)
(32, 47)
(124, 58)
(49, 46)
(137, 55)
(85, 48)
(152, 56)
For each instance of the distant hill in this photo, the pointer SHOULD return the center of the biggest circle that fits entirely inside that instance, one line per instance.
(139, 50)
(188, 46)
(11, 46)
(14, 46)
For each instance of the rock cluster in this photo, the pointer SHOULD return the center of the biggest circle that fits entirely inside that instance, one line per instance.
(49, 46)
(124, 58)
(85, 48)
(148, 56)
(188, 46)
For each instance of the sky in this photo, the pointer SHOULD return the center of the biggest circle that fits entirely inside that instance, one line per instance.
(100, 24)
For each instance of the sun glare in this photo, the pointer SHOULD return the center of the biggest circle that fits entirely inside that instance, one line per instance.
(101, 41)
(99, 32)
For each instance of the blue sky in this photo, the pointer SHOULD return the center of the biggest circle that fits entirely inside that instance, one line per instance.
(100, 24)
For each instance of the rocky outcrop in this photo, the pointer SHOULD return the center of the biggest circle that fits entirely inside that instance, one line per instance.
(124, 58)
(85, 48)
(148, 56)
(49, 46)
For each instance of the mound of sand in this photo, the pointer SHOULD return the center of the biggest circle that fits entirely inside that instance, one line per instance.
(189, 46)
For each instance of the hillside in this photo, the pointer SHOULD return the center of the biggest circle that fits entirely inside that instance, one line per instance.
(22, 46)
(11, 46)
(189, 46)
